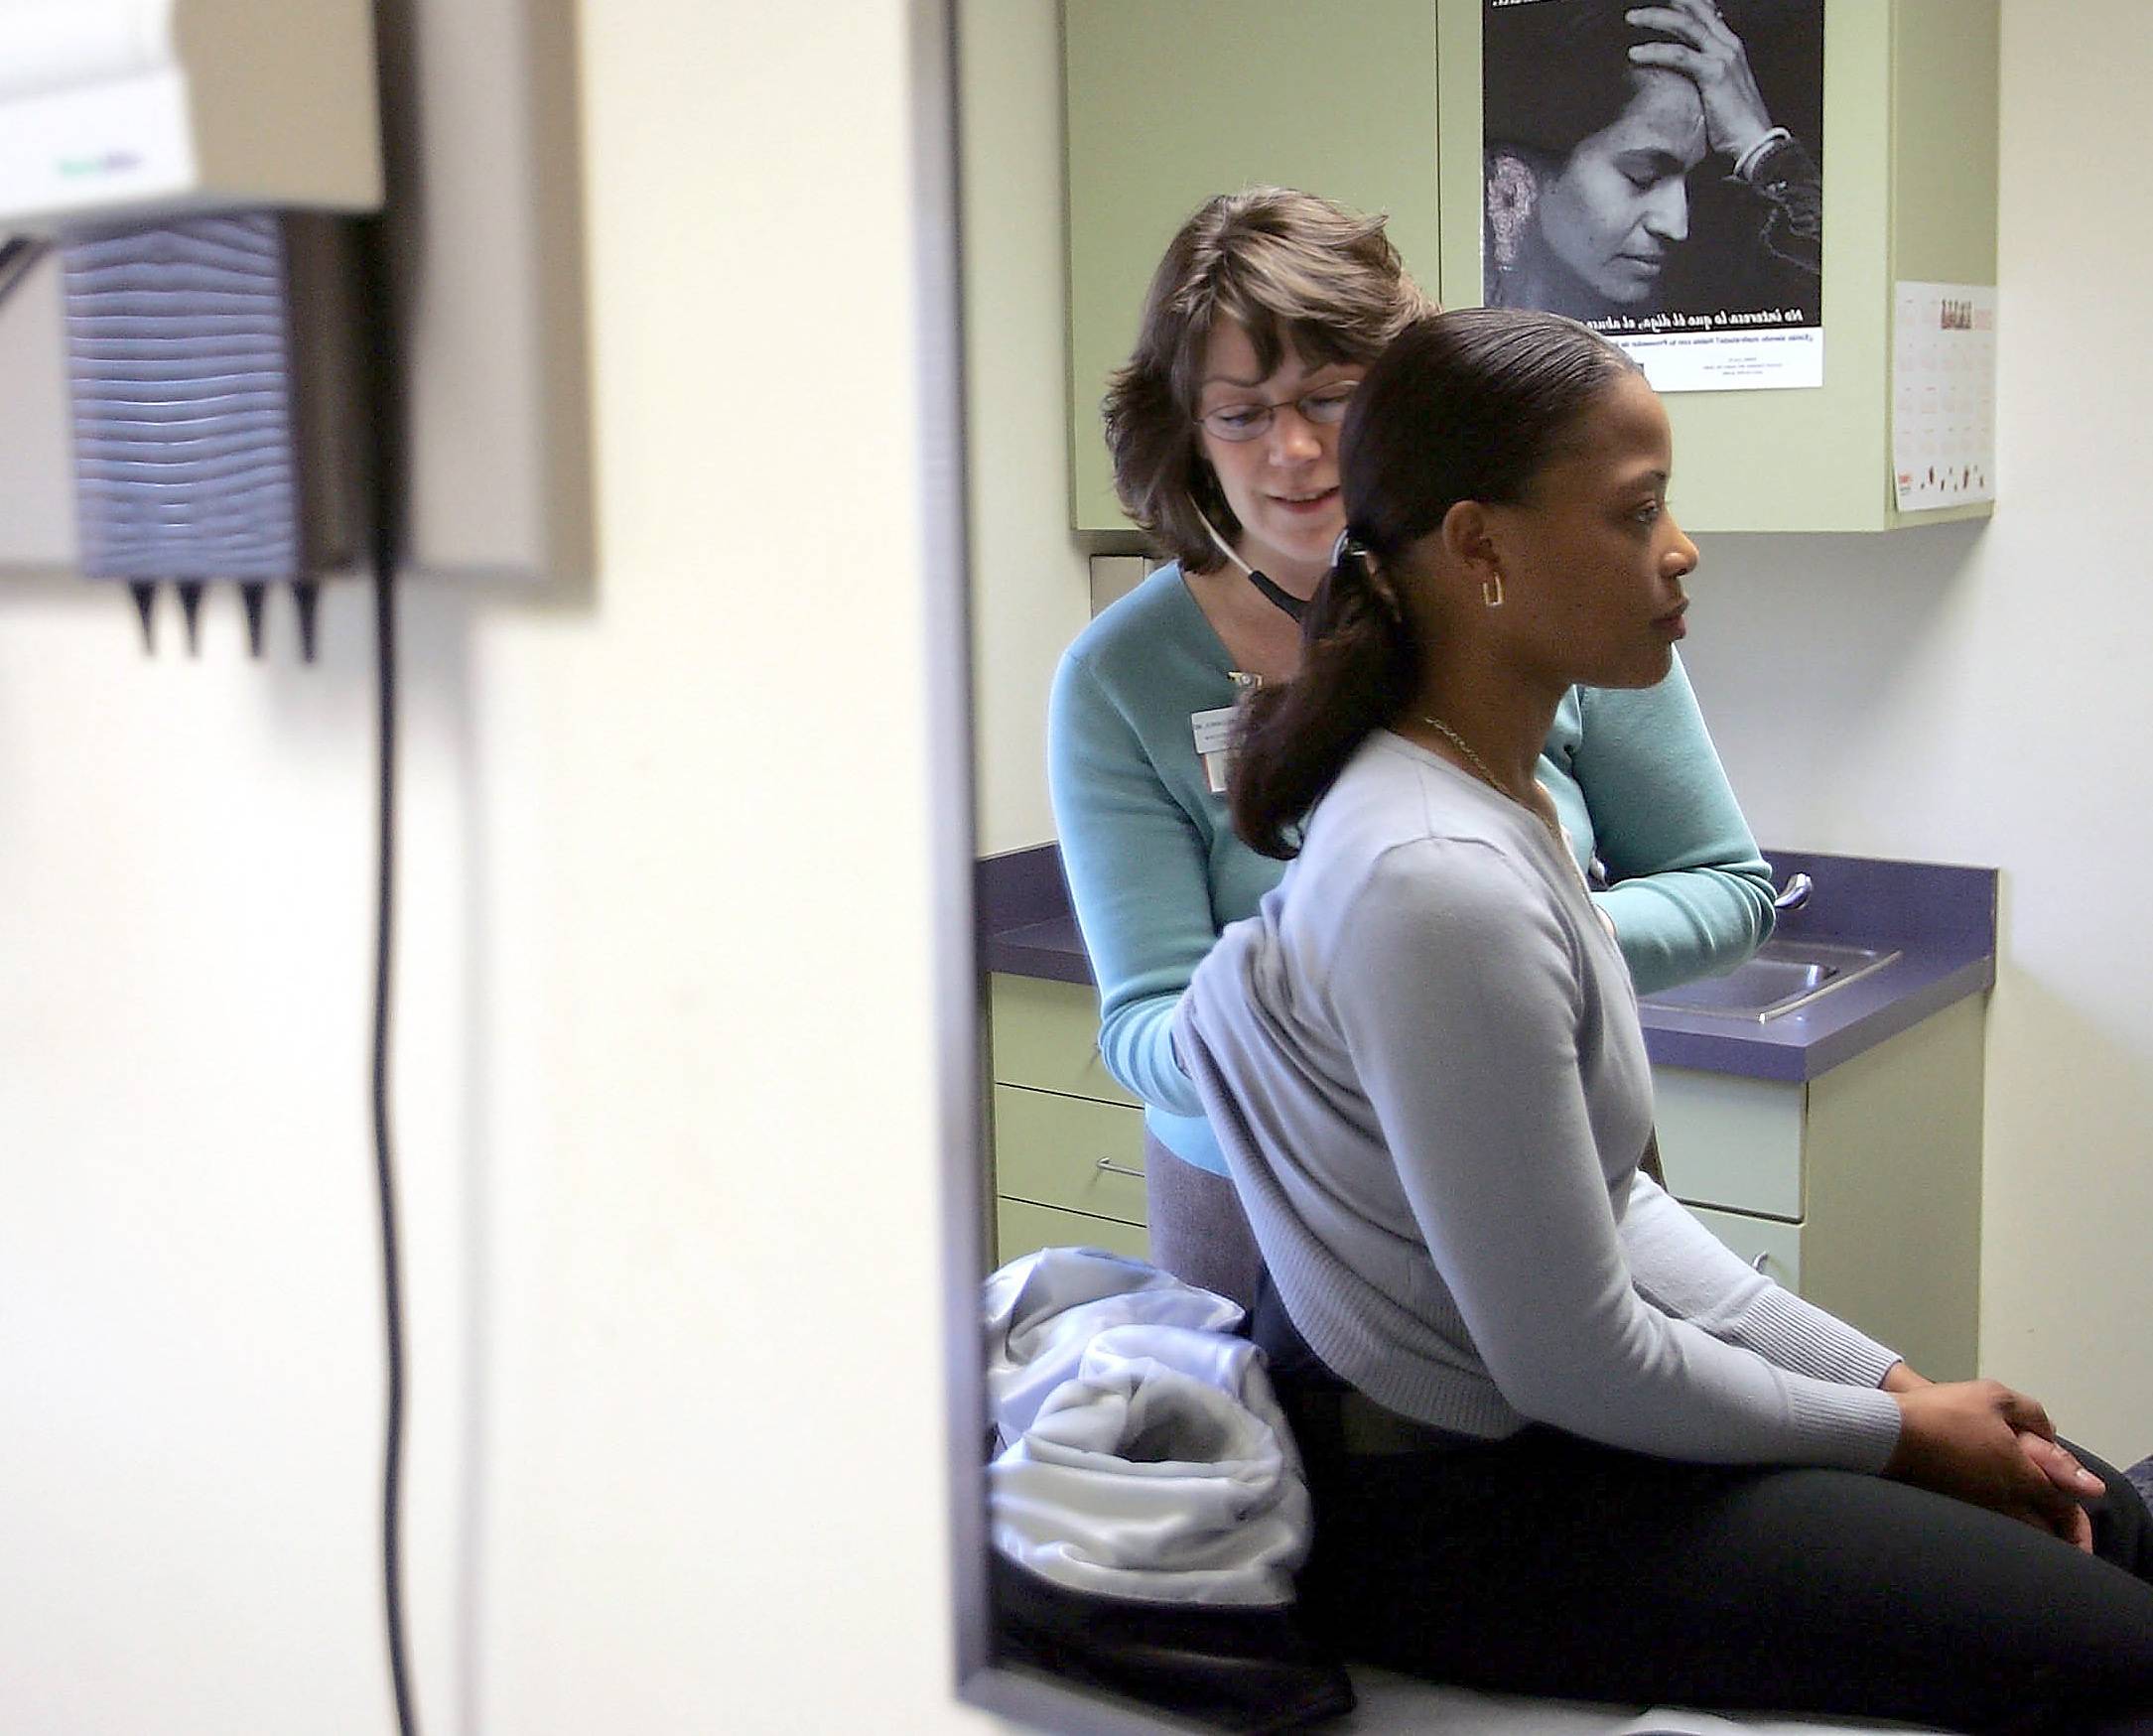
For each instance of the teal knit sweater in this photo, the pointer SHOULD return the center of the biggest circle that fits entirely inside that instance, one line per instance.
(1155, 871)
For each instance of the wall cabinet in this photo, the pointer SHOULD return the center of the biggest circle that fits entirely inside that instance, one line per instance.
(1860, 1190)
(1170, 101)
(487, 232)
(1378, 106)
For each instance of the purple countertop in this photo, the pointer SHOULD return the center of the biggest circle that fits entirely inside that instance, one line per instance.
(1941, 920)
(1026, 928)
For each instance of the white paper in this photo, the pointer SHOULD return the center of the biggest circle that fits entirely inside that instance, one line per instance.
(1944, 395)
(1727, 361)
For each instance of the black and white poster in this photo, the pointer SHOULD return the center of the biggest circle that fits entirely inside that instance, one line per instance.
(1655, 171)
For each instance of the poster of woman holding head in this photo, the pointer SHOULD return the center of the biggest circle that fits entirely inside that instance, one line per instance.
(1654, 170)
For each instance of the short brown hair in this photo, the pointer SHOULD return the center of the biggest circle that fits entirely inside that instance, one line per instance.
(1289, 267)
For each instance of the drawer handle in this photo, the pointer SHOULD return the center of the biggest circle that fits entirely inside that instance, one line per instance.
(1757, 1264)
(1114, 1168)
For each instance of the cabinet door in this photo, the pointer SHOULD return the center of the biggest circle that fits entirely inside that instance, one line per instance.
(1170, 101)
(1069, 1151)
(1046, 1035)
(1730, 1141)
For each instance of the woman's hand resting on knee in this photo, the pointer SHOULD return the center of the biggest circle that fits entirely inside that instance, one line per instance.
(2056, 1461)
(1980, 1441)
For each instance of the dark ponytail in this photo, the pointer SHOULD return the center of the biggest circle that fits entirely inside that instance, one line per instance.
(1360, 662)
(1468, 405)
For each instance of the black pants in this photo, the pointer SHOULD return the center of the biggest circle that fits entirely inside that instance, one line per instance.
(1547, 1564)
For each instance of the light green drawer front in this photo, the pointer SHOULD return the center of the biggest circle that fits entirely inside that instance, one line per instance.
(1731, 1142)
(1024, 1227)
(1069, 1151)
(1778, 1244)
(1046, 1035)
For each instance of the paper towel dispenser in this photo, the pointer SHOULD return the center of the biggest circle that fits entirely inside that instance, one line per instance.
(110, 109)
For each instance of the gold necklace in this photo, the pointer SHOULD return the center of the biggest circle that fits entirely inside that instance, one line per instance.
(1463, 747)
(1554, 829)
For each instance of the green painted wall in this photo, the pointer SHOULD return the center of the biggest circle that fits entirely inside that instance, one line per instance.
(1170, 101)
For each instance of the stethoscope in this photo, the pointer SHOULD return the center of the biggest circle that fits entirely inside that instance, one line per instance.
(1272, 591)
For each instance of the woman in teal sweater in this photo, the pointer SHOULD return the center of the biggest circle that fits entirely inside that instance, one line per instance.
(1262, 315)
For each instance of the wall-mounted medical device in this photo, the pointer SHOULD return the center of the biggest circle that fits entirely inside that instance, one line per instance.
(117, 109)
(186, 155)
(483, 227)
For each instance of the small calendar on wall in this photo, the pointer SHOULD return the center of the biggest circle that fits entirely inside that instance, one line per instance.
(1944, 395)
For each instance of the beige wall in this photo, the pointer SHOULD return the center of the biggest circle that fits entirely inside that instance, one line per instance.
(1960, 694)
(664, 1074)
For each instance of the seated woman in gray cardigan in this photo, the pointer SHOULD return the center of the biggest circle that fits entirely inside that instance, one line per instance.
(1560, 1441)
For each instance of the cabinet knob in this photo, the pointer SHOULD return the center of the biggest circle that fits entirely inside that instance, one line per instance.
(1114, 1168)
(1757, 1264)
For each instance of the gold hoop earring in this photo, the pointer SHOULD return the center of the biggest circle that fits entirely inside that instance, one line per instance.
(1491, 591)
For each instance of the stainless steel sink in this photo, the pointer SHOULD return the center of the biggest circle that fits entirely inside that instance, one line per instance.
(1780, 977)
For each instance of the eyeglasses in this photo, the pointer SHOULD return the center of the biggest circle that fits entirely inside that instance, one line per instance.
(1325, 407)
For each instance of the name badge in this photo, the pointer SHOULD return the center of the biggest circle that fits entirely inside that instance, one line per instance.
(1214, 731)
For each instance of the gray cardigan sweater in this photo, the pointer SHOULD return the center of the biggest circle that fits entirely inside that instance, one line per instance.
(1423, 1062)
